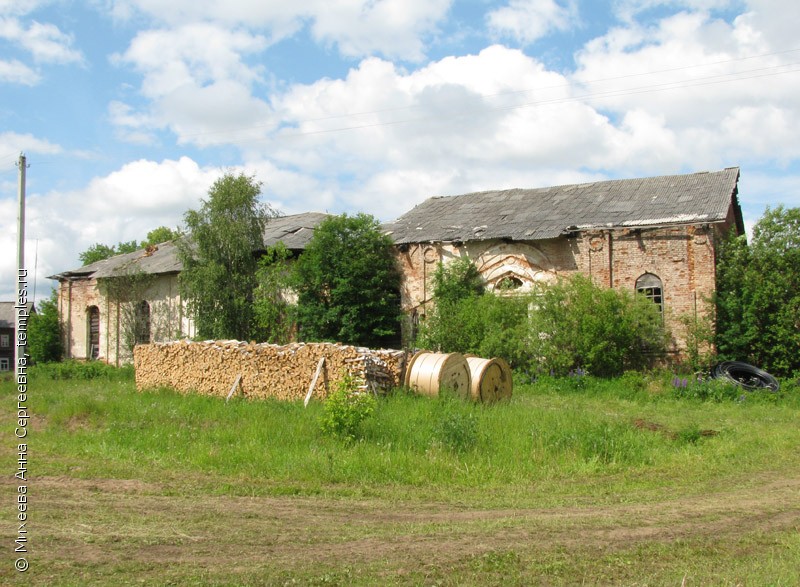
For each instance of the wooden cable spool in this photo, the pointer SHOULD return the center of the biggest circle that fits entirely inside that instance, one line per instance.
(491, 379)
(434, 373)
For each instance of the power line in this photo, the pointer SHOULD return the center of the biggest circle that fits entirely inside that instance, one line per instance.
(508, 93)
(603, 95)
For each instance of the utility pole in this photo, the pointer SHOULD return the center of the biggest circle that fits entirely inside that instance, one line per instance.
(21, 214)
(22, 274)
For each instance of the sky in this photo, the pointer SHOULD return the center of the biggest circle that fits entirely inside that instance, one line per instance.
(129, 110)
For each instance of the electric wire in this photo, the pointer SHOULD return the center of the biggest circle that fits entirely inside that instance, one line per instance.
(587, 83)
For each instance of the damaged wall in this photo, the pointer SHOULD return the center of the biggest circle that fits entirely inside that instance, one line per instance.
(79, 298)
(682, 258)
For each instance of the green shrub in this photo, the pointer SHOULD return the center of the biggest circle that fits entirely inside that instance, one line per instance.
(44, 332)
(456, 426)
(345, 409)
(82, 370)
(577, 324)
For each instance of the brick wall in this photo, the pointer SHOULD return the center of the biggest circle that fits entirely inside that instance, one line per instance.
(682, 257)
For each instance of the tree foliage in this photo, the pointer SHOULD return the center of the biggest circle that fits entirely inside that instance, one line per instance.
(44, 332)
(577, 324)
(99, 251)
(159, 235)
(274, 312)
(457, 281)
(219, 260)
(348, 283)
(758, 294)
(558, 327)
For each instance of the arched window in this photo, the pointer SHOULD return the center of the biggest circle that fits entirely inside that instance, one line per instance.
(649, 286)
(142, 327)
(92, 332)
(509, 283)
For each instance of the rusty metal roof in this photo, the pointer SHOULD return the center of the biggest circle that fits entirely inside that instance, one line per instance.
(544, 213)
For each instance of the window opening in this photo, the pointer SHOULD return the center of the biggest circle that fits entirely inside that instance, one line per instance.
(142, 335)
(93, 326)
(649, 286)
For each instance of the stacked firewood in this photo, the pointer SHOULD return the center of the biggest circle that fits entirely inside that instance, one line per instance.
(223, 368)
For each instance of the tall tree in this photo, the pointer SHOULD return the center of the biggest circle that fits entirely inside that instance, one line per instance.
(348, 283)
(219, 257)
(758, 294)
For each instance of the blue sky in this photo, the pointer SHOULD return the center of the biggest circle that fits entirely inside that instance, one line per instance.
(128, 110)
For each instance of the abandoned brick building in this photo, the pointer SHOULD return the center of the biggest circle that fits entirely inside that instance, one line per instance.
(655, 235)
(97, 325)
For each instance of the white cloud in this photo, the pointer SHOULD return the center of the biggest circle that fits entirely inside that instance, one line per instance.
(122, 206)
(394, 28)
(529, 20)
(16, 72)
(44, 41)
(198, 83)
(194, 53)
(719, 95)
(17, 8)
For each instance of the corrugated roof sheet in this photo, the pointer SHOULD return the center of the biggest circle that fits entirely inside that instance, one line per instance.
(544, 213)
(295, 231)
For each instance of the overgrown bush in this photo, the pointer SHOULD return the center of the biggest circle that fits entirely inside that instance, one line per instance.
(345, 409)
(577, 324)
(573, 324)
(44, 332)
(82, 370)
(348, 284)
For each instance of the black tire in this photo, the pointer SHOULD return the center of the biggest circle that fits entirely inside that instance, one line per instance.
(745, 375)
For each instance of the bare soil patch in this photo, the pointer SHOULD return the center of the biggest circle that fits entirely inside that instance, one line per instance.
(88, 528)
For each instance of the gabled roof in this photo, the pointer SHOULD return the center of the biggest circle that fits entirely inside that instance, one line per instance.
(8, 313)
(544, 213)
(295, 231)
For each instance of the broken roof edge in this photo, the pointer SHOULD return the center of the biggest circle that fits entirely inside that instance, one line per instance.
(118, 265)
(109, 267)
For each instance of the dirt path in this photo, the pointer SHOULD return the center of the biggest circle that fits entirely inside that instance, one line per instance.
(106, 524)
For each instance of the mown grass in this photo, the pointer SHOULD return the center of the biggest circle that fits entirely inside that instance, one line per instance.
(559, 443)
(635, 433)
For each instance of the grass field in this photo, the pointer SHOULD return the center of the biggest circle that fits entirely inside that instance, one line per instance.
(576, 481)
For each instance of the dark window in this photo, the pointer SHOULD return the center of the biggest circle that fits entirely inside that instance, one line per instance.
(142, 323)
(649, 286)
(509, 283)
(93, 328)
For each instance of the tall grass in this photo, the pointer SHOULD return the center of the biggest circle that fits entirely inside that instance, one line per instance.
(634, 432)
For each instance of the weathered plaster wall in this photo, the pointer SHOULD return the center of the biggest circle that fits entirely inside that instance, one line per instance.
(682, 257)
(167, 317)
